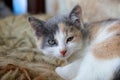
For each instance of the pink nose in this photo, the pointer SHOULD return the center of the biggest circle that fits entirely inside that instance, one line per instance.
(63, 52)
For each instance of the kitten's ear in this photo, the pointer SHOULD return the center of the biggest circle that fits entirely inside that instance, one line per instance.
(76, 16)
(37, 25)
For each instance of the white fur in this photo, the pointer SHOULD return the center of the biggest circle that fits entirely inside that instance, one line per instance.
(88, 67)
(91, 68)
(95, 69)
(103, 33)
(70, 70)
(61, 38)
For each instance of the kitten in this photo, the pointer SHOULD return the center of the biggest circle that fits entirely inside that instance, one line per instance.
(92, 50)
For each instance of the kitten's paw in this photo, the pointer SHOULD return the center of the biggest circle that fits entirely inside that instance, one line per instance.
(60, 71)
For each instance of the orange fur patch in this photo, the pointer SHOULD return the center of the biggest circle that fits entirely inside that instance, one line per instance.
(114, 28)
(76, 33)
(70, 31)
(62, 27)
(108, 49)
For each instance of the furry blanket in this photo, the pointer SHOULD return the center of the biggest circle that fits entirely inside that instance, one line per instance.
(19, 58)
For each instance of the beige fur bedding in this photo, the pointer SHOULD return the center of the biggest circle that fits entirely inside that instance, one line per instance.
(19, 58)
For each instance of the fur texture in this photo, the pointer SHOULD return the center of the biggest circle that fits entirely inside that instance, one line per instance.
(92, 50)
(59, 34)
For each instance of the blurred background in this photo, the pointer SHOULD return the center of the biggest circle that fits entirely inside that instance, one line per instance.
(92, 9)
(17, 43)
(19, 7)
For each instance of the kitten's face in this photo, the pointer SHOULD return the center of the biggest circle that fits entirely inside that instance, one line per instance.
(61, 44)
(59, 37)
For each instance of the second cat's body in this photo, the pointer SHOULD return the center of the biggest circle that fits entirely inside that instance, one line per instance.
(92, 50)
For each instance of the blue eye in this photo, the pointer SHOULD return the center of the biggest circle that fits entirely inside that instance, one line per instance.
(52, 42)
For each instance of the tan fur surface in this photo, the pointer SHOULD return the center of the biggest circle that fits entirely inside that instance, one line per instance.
(114, 28)
(109, 48)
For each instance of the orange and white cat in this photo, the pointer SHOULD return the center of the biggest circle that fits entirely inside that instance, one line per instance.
(92, 49)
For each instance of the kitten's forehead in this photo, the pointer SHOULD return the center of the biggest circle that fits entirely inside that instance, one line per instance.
(60, 23)
(62, 27)
(59, 30)
(53, 23)
(68, 29)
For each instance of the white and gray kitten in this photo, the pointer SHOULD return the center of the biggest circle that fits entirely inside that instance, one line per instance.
(93, 49)
(59, 36)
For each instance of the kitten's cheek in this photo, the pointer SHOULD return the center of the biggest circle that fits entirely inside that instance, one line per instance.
(46, 52)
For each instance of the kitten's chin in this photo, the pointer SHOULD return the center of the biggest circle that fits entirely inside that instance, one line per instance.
(63, 57)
